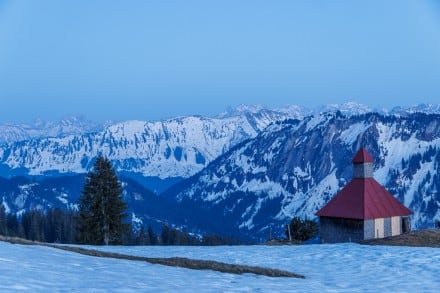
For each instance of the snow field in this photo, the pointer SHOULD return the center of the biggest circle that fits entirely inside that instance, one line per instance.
(327, 268)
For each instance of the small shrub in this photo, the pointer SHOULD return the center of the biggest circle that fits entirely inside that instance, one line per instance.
(301, 230)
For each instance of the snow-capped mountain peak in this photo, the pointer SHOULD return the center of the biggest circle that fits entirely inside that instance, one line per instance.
(293, 168)
(421, 108)
(248, 171)
(348, 109)
(69, 125)
(177, 147)
(241, 110)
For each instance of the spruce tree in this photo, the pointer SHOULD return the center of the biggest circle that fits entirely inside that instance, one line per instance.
(3, 227)
(101, 208)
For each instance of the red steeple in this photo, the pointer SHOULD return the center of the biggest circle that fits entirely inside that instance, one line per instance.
(363, 197)
(362, 156)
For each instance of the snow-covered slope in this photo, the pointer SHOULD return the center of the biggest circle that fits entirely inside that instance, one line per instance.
(327, 268)
(247, 172)
(174, 148)
(12, 133)
(293, 168)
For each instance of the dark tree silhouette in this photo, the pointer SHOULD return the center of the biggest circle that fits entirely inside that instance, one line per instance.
(101, 208)
(301, 230)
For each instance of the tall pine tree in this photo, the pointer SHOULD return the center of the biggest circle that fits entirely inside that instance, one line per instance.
(101, 208)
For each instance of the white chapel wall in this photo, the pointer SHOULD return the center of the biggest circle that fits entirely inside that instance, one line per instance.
(396, 226)
(379, 228)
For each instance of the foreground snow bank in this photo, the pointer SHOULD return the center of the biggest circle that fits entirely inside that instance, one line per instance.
(342, 267)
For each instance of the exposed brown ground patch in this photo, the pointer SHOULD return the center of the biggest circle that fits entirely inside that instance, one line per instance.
(420, 238)
(172, 261)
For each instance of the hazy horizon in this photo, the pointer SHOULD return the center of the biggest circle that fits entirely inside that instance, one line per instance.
(219, 114)
(112, 60)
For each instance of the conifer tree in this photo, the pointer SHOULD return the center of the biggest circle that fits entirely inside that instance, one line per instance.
(3, 228)
(152, 236)
(101, 208)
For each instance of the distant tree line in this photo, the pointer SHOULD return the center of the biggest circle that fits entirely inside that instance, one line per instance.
(100, 219)
(58, 226)
(54, 226)
(173, 236)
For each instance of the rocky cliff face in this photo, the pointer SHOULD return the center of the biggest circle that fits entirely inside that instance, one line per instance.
(293, 168)
(247, 172)
(174, 148)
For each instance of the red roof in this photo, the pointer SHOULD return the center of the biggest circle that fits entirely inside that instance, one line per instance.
(363, 198)
(362, 156)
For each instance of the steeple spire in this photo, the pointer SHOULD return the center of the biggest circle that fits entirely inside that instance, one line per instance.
(363, 164)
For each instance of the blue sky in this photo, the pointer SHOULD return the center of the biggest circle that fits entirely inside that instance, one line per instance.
(151, 60)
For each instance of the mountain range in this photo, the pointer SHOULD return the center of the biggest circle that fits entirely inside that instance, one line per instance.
(245, 172)
(294, 167)
(155, 153)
